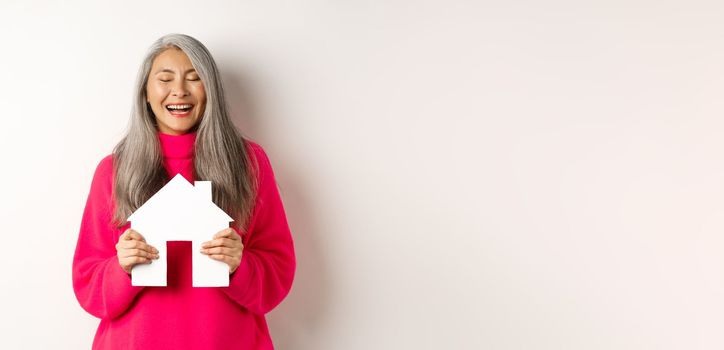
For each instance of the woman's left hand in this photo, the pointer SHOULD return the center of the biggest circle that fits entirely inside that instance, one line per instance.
(226, 246)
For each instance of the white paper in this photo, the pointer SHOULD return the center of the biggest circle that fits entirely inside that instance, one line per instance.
(180, 212)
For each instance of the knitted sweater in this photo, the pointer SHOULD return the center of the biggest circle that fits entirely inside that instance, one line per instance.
(180, 316)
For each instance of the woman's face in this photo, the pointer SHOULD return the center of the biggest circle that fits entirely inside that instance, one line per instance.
(173, 82)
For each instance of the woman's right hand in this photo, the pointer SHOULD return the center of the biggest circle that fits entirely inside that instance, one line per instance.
(132, 249)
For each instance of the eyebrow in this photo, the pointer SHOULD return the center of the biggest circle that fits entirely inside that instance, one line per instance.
(168, 70)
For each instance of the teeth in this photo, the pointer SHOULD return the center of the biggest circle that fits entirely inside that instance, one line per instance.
(178, 106)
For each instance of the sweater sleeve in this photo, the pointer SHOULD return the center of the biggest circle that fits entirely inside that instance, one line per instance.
(100, 284)
(268, 263)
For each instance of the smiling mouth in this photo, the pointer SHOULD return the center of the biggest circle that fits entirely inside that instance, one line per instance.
(179, 112)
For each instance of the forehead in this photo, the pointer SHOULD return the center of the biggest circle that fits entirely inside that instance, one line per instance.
(173, 60)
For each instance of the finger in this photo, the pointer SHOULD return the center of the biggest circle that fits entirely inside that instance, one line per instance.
(227, 232)
(125, 234)
(220, 242)
(134, 260)
(225, 258)
(131, 234)
(131, 244)
(137, 236)
(126, 253)
(137, 244)
(221, 251)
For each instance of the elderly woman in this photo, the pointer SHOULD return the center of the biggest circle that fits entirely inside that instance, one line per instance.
(180, 125)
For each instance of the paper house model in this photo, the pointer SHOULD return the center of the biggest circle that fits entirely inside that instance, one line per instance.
(180, 211)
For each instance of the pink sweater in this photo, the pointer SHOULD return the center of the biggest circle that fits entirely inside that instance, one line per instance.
(180, 316)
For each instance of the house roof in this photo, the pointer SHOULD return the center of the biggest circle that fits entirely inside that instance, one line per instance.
(179, 199)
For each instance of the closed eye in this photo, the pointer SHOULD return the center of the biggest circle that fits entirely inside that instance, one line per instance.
(166, 81)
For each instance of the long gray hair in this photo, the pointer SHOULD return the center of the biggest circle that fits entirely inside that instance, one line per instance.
(220, 151)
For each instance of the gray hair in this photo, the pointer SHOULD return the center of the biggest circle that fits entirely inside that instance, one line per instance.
(221, 153)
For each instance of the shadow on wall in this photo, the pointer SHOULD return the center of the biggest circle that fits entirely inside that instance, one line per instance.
(294, 323)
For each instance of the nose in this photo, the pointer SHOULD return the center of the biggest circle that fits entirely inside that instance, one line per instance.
(179, 89)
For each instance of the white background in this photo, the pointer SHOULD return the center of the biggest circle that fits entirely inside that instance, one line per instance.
(457, 175)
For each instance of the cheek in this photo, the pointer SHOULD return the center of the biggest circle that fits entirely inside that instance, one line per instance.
(200, 93)
(154, 98)
(155, 92)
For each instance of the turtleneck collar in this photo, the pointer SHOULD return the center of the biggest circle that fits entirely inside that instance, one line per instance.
(177, 146)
